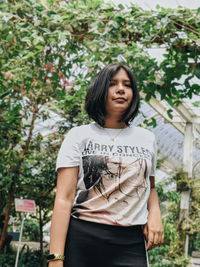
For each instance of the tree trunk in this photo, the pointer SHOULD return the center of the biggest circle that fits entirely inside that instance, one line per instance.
(17, 172)
(7, 215)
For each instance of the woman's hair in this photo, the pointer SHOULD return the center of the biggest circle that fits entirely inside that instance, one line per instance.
(98, 90)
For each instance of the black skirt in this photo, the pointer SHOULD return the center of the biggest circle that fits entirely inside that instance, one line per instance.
(90, 244)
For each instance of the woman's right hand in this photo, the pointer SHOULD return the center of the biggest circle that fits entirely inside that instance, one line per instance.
(57, 263)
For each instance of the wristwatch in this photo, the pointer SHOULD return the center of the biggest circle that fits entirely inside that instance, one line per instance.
(55, 257)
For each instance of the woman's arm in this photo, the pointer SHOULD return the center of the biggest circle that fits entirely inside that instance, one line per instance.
(65, 192)
(153, 229)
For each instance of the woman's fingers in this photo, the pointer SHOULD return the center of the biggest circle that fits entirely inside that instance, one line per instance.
(154, 238)
(150, 240)
(157, 239)
(162, 238)
(145, 231)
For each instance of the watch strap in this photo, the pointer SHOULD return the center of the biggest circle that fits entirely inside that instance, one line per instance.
(55, 257)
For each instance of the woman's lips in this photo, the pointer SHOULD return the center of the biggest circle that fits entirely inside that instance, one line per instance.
(120, 99)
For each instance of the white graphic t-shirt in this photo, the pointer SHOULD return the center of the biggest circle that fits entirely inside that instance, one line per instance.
(114, 168)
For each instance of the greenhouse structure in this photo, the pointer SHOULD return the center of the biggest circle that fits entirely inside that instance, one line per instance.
(50, 53)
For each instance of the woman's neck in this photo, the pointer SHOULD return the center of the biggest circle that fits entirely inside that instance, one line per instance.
(110, 123)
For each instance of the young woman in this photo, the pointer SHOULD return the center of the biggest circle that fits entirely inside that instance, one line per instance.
(106, 211)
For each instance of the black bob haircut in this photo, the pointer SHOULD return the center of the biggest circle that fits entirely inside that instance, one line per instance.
(98, 90)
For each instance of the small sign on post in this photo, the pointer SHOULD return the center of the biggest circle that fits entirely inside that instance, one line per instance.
(23, 205)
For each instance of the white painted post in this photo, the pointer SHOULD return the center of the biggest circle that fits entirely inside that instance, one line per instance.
(19, 243)
(187, 168)
(188, 149)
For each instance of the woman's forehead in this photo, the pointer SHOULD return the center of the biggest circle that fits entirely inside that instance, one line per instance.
(120, 74)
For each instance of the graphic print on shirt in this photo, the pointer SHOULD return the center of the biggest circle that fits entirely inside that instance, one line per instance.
(112, 174)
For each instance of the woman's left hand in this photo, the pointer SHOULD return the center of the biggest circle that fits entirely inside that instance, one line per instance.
(153, 229)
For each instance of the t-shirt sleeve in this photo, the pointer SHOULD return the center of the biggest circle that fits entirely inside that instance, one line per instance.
(69, 153)
(154, 158)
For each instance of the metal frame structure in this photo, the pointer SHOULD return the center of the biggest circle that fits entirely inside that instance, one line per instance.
(186, 122)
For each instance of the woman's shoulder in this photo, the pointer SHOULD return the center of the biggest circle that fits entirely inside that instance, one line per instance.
(143, 131)
(80, 129)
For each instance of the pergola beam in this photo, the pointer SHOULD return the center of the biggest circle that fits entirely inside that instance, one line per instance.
(162, 110)
(188, 115)
(194, 119)
(179, 122)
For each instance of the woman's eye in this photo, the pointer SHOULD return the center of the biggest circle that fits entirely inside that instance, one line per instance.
(113, 84)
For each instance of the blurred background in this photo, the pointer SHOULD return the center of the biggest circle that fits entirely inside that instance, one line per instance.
(49, 52)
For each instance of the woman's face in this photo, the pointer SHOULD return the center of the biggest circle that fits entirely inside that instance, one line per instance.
(120, 93)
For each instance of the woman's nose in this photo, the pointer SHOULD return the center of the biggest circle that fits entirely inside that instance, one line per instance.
(120, 88)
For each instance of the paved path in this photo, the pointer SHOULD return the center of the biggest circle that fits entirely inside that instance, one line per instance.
(195, 262)
(32, 245)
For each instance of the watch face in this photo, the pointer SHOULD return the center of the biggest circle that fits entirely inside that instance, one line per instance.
(51, 257)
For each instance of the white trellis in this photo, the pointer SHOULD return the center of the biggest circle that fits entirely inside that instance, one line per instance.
(186, 122)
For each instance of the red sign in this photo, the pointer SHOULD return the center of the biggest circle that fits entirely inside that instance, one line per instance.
(25, 205)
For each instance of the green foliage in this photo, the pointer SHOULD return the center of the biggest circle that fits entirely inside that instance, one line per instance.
(31, 230)
(7, 260)
(172, 252)
(183, 181)
(32, 259)
(90, 32)
(196, 242)
(50, 51)
(194, 222)
(27, 259)
(171, 196)
(196, 104)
